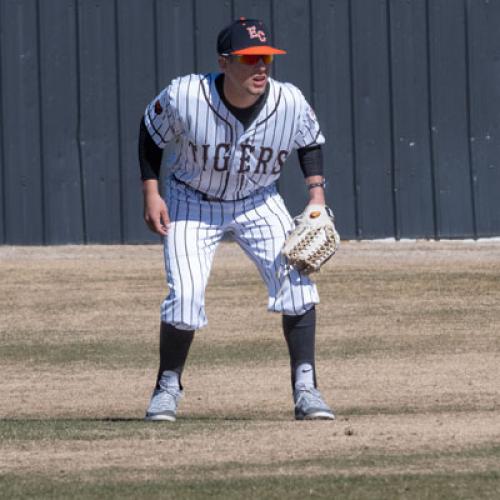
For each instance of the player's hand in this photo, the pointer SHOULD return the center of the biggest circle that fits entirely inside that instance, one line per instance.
(156, 213)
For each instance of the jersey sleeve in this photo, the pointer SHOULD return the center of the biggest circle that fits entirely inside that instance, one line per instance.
(308, 131)
(161, 117)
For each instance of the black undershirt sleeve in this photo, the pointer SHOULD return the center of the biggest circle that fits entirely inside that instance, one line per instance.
(150, 154)
(311, 160)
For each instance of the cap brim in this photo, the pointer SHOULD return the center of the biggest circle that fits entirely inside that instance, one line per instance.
(258, 50)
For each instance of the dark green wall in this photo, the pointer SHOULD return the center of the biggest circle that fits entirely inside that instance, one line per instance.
(407, 92)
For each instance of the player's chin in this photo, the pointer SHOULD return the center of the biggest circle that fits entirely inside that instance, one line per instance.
(257, 85)
(257, 89)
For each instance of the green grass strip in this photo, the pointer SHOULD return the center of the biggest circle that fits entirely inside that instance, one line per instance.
(484, 485)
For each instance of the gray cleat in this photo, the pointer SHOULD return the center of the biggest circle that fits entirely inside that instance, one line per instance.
(163, 404)
(309, 405)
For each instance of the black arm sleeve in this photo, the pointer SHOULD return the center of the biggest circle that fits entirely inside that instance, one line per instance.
(311, 160)
(150, 154)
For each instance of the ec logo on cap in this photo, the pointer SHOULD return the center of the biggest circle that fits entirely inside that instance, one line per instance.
(252, 31)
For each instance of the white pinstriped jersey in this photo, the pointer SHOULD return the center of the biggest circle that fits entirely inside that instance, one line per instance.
(214, 153)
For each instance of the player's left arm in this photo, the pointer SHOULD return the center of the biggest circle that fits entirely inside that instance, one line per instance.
(308, 141)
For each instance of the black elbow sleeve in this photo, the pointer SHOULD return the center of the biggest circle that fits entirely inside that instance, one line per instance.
(150, 154)
(311, 160)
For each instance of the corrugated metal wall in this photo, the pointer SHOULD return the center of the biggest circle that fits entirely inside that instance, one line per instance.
(407, 91)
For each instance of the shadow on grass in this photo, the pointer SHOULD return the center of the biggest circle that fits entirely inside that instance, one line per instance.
(111, 427)
(184, 418)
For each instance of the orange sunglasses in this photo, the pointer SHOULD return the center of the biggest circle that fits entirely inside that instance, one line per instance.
(252, 60)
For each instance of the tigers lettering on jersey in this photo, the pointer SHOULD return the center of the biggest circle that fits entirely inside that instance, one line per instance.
(219, 155)
(214, 153)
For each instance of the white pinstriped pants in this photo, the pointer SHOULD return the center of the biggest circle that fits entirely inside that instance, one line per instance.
(259, 224)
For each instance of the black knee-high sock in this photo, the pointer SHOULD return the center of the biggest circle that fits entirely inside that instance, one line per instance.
(300, 336)
(174, 349)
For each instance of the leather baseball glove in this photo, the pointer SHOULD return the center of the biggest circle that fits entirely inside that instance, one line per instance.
(313, 241)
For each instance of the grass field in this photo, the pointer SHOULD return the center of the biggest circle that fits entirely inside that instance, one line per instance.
(408, 351)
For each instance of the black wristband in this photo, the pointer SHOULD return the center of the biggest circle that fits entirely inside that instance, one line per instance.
(317, 184)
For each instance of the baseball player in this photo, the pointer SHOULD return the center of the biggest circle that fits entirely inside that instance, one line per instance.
(232, 131)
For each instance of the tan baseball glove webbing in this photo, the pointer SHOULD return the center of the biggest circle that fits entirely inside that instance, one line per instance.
(313, 241)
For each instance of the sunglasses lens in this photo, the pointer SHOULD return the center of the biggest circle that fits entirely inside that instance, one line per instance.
(251, 60)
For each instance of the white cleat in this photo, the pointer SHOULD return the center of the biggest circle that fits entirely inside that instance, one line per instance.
(163, 404)
(309, 405)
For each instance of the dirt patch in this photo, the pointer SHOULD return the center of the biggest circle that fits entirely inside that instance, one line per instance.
(264, 443)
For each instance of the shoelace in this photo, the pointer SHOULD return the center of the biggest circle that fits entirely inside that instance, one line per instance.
(167, 397)
(311, 396)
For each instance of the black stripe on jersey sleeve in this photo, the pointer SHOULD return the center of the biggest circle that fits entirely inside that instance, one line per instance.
(314, 142)
(155, 130)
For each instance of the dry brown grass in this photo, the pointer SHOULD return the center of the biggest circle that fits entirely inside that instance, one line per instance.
(408, 354)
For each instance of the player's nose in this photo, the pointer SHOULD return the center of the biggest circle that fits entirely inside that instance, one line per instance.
(261, 66)
(260, 63)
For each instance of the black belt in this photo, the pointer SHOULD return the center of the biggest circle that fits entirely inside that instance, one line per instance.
(205, 196)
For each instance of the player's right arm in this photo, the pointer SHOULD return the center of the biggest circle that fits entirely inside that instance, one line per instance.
(155, 208)
(158, 126)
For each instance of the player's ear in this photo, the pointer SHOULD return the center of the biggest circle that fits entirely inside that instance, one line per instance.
(223, 63)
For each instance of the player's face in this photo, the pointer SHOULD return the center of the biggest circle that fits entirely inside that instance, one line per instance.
(246, 78)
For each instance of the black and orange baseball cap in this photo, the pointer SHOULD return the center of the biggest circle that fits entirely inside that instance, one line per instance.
(246, 36)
